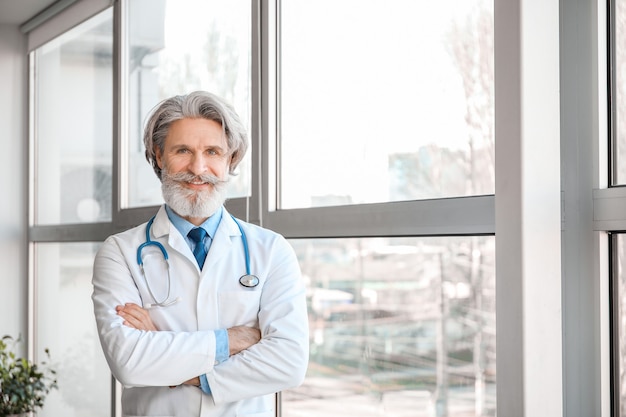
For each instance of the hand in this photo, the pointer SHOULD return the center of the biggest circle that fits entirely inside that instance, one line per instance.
(139, 318)
(135, 317)
(241, 338)
(193, 382)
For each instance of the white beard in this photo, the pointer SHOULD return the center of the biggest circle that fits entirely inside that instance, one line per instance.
(190, 203)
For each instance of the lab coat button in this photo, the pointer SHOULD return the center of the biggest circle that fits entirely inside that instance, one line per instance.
(217, 362)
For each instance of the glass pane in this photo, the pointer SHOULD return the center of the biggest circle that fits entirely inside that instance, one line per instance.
(399, 327)
(620, 288)
(73, 82)
(393, 99)
(172, 52)
(65, 324)
(619, 94)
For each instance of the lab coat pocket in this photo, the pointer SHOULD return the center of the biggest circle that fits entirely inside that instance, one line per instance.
(263, 414)
(239, 308)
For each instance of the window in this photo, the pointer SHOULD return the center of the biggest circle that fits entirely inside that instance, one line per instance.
(73, 77)
(401, 295)
(618, 342)
(172, 51)
(618, 82)
(398, 107)
(66, 327)
(617, 177)
(399, 326)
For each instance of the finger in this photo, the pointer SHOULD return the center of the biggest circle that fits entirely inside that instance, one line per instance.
(135, 309)
(138, 313)
(127, 308)
(135, 313)
(130, 321)
(138, 318)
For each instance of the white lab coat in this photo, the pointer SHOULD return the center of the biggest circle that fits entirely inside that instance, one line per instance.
(147, 363)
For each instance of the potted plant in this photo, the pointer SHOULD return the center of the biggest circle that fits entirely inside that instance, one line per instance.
(23, 384)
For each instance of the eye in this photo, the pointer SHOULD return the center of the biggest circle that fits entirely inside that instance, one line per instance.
(182, 150)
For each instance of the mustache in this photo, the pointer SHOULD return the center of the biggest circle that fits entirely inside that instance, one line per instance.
(188, 177)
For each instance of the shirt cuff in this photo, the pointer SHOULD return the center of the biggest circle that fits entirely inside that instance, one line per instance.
(204, 384)
(222, 350)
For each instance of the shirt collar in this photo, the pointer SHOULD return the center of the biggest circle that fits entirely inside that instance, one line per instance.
(183, 226)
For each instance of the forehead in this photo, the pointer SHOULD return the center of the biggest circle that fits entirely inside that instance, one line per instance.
(195, 131)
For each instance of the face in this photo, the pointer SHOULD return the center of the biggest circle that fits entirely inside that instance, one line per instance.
(194, 164)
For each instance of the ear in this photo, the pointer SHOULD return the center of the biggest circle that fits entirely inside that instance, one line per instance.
(158, 156)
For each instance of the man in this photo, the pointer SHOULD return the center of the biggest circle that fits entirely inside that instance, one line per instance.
(192, 338)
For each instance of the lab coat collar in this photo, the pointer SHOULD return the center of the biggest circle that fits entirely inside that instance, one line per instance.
(162, 225)
(225, 235)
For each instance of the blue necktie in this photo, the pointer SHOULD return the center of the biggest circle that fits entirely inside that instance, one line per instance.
(197, 235)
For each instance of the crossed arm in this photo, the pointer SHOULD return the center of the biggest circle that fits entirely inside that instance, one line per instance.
(239, 337)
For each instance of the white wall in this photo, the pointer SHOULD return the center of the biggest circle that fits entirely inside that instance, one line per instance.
(13, 182)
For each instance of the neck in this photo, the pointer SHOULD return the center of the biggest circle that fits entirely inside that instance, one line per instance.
(196, 221)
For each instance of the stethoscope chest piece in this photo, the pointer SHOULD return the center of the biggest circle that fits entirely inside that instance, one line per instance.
(249, 281)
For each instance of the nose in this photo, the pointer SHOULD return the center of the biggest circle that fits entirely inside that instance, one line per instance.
(198, 164)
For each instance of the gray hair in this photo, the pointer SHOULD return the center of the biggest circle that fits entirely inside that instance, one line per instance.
(199, 104)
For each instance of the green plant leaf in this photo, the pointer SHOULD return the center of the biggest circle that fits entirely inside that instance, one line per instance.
(24, 385)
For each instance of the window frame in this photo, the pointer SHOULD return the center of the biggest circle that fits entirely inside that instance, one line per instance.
(450, 216)
(609, 203)
(472, 215)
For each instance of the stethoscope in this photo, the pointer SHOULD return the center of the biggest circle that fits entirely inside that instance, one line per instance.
(247, 280)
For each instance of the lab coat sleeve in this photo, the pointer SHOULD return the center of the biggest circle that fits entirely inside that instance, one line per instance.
(136, 357)
(279, 361)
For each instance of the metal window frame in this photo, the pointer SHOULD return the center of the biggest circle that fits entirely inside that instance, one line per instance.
(610, 216)
(614, 324)
(463, 216)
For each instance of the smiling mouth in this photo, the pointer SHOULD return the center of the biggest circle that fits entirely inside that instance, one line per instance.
(195, 184)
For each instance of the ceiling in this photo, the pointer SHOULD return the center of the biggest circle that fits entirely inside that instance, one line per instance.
(16, 12)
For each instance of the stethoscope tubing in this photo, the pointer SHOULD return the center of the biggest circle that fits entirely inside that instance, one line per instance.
(248, 280)
(244, 241)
